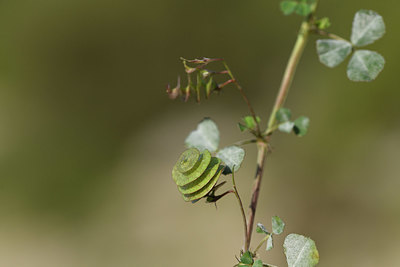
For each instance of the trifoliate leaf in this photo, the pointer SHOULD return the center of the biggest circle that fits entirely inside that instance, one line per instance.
(288, 7)
(261, 229)
(286, 127)
(300, 251)
(368, 26)
(206, 136)
(232, 156)
(332, 52)
(301, 126)
(258, 263)
(365, 66)
(270, 243)
(246, 258)
(277, 225)
(283, 115)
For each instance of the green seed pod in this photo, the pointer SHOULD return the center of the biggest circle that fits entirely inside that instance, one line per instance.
(196, 173)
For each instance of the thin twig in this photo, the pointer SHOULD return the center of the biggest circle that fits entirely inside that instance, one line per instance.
(262, 151)
(245, 142)
(327, 34)
(240, 204)
(240, 88)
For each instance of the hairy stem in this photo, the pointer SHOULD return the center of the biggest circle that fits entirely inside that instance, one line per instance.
(262, 144)
(235, 191)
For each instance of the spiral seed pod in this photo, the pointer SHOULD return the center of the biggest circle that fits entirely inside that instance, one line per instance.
(196, 173)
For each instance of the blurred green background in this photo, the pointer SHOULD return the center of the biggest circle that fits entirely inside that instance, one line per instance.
(88, 137)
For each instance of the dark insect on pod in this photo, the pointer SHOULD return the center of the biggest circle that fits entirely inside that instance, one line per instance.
(196, 173)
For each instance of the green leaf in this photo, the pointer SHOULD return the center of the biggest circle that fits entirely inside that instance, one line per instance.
(250, 122)
(246, 258)
(286, 127)
(242, 127)
(232, 156)
(277, 225)
(206, 136)
(301, 125)
(288, 7)
(261, 229)
(323, 23)
(300, 251)
(332, 52)
(270, 243)
(368, 26)
(365, 66)
(283, 115)
(303, 9)
(258, 263)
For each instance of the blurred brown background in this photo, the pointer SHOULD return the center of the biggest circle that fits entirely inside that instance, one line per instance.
(88, 137)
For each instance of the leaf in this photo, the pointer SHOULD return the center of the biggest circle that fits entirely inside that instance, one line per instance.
(232, 156)
(301, 125)
(258, 263)
(242, 127)
(270, 243)
(246, 258)
(323, 23)
(300, 251)
(206, 136)
(365, 66)
(250, 122)
(261, 229)
(283, 115)
(368, 26)
(288, 7)
(303, 9)
(277, 225)
(286, 127)
(332, 52)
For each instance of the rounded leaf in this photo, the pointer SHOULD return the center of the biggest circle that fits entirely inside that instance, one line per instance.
(277, 225)
(332, 52)
(206, 136)
(300, 251)
(301, 125)
(365, 66)
(368, 26)
(232, 156)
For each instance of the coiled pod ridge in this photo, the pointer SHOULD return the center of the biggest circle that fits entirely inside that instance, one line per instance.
(196, 173)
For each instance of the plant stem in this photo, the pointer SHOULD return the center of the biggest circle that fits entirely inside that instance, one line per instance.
(261, 243)
(261, 155)
(262, 144)
(240, 204)
(239, 87)
(289, 72)
(328, 34)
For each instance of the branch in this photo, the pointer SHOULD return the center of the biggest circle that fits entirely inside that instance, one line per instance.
(262, 144)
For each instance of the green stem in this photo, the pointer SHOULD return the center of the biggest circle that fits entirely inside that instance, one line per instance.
(240, 204)
(261, 243)
(290, 70)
